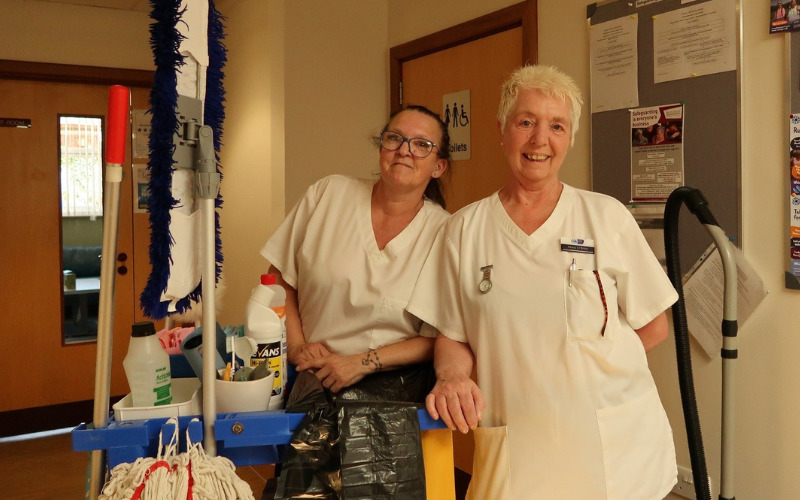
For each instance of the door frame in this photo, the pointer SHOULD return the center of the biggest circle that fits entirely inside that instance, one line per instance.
(523, 14)
(68, 73)
(27, 420)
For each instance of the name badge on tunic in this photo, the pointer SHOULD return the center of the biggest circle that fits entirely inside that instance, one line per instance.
(486, 283)
(577, 245)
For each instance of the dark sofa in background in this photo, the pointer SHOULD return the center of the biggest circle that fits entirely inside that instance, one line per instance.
(84, 261)
(81, 310)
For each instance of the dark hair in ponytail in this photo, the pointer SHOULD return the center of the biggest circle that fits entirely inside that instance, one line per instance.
(433, 190)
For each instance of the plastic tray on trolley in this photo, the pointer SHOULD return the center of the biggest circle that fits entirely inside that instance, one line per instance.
(246, 438)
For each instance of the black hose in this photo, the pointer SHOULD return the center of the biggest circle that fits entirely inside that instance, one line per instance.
(698, 205)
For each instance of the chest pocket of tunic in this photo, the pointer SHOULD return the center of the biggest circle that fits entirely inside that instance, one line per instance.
(586, 305)
(393, 324)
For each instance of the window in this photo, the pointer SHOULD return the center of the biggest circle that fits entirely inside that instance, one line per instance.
(81, 165)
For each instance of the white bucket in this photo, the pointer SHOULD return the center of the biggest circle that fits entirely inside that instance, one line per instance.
(239, 396)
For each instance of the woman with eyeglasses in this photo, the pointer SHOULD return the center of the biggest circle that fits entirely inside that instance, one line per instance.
(553, 295)
(349, 252)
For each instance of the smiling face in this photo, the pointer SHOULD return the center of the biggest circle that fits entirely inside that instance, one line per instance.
(536, 138)
(400, 167)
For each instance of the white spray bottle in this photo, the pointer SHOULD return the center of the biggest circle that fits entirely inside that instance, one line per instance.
(265, 323)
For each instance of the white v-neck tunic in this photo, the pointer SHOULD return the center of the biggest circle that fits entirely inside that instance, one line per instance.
(352, 296)
(573, 411)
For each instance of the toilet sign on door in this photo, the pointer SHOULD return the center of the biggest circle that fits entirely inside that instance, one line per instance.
(457, 117)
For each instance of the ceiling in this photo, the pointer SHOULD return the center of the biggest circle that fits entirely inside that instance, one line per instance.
(134, 5)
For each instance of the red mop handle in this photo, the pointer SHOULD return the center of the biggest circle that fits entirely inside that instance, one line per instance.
(118, 103)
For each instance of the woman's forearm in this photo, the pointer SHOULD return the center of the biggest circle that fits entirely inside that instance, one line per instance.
(406, 352)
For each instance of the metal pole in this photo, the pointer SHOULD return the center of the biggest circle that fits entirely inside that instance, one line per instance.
(729, 355)
(208, 181)
(118, 112)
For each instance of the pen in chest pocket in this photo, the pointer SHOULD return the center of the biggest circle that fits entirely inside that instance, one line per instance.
(572, 267)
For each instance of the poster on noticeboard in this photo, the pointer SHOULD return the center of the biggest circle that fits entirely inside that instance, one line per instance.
(656, 152)
(793, 236)
(784, 16)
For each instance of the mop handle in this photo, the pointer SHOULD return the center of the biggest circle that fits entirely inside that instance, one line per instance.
(118, 103)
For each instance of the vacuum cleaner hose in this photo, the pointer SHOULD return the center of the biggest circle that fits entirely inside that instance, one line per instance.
(698, 205)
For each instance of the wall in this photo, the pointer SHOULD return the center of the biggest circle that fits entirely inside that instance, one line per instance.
(35, 31)
(768, 381)
(336, 89)
(252, 155)
(304, 97)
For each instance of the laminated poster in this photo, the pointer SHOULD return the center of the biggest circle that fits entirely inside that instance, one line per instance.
(792, 272)
(656, 152)
(784, 15)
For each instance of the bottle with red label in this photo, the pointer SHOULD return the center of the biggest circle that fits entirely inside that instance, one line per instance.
(265, 323)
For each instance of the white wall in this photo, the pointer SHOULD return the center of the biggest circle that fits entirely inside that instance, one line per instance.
(769, 377)
(47, 32)
(409, 20)
(252, 155)
(336, 89)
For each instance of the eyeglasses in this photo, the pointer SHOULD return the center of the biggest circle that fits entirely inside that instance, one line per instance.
(417, 146)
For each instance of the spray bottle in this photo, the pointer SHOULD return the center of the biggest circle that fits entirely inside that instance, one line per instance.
(147, 367)
(265, 323)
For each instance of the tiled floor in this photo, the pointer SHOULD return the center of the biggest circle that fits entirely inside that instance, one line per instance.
(47, 468)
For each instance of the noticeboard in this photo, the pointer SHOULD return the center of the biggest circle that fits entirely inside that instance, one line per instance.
(711, 131)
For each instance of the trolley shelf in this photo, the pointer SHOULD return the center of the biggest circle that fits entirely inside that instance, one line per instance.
(247, 438)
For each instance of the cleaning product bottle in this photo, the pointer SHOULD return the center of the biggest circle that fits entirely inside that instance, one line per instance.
(265, 323)
(147, 367)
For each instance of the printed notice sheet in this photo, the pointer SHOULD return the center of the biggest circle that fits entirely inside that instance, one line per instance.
(703, 292)
(656, 152)
(694, 41)
(141, 188)
(792, 275)
(614, 64)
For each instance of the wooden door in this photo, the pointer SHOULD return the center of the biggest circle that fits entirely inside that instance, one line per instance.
(427, 79)
(477, 56)
(46, 371)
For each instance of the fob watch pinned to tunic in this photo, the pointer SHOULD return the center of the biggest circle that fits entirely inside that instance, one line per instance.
(486, 283)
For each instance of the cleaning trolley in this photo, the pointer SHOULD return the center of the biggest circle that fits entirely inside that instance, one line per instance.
(176, 443)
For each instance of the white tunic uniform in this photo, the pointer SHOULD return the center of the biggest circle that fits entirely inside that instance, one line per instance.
(352, 296)
(573, 411)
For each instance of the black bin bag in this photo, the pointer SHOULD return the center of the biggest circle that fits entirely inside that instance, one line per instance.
(361, 443)
(311, 466)
(410, 384)
(381, 451)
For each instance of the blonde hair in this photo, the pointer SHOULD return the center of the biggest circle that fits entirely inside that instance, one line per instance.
(547, 79)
